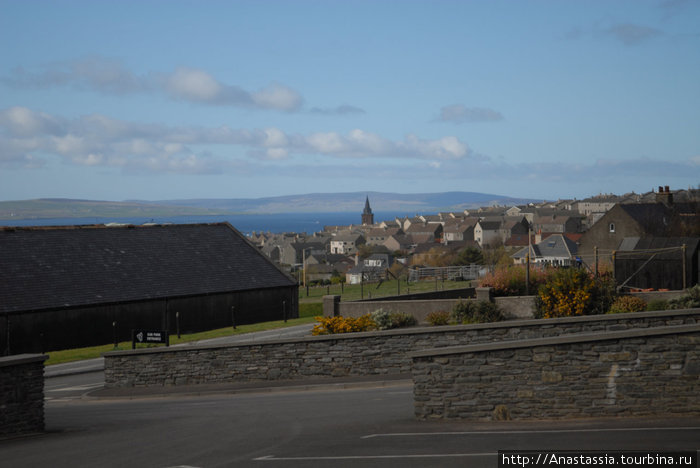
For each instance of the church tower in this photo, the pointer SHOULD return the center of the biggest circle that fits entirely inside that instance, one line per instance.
(367, 215)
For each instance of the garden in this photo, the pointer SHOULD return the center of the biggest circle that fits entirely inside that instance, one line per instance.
(559, 292)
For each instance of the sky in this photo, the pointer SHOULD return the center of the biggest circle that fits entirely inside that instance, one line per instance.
(155, 100)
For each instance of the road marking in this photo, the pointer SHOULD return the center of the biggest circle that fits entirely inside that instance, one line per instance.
(376, 457)
(551, 431)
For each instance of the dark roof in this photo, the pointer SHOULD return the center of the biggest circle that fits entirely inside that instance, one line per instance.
(652, 217)
(661, 247)
(57, 267)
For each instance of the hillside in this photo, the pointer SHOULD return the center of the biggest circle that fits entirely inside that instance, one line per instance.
(307, 203)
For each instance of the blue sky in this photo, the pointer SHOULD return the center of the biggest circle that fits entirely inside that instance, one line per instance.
(156, 100)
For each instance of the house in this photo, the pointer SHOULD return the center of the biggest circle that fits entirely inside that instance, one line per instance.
(433, 231)
(399, 242)
(558, 223)
(371, 268)
(555, 250)
(636, 220)
(378, 236)
(346, 243)
(294, 253)
(76, 286)
(487, 232)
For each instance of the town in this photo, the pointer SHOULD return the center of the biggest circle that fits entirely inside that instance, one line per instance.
(586, 233)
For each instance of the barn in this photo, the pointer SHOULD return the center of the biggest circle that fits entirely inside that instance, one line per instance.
(75, 286)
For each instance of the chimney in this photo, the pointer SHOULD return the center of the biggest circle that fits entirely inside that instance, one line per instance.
(664, 195)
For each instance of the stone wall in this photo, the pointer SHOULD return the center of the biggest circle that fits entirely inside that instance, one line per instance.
(521, 307)
(514, 307)
(385, 352)
(635, 372)
(21, 394)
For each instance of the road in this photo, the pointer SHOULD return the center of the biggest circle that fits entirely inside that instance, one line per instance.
(368, 426)
(363, 427)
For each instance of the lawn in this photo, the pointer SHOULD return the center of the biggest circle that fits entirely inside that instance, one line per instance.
(309, 307)
(354, 292)
(307, 312)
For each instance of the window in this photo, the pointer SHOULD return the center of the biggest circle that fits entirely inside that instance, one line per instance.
(612, 227)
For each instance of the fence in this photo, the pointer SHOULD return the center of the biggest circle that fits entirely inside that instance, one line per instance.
(466, 272)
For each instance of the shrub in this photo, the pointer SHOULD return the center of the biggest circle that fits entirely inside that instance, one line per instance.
(657, 304)
(388, 320)
(627, 304)
(340, 324)
(511, 281)
(572, 291)
(690, 300)
(476, 312)
(439, 317)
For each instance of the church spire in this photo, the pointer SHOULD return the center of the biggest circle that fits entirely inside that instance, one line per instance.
(367, 215)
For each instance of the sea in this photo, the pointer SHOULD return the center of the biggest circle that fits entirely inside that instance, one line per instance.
(245, 223)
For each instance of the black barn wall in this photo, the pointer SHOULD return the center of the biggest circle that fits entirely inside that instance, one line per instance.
(35, 332)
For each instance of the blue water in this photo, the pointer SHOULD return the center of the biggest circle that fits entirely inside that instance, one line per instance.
(245, 223)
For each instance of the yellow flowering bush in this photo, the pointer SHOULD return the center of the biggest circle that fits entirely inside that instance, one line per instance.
(627, 304)
(568, 292)
(340, 324)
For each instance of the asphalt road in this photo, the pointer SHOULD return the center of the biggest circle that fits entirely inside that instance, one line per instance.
(363, 427)
(369, 425)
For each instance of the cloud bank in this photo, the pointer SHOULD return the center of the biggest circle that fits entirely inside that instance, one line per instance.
(105, 76)
(29, 138)
(32, 139)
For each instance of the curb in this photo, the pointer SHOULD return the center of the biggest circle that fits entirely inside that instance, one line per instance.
(133, 393)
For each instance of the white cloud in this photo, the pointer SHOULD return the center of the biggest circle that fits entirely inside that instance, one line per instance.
(278, 96)
(189, 84)
(194, 85)
(328, 143)
(100, 140)
(21, 121)
(444, 148)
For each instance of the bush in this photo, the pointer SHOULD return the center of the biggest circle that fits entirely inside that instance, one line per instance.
(625, 304)
(476, 312)
(571, 292)
(439, 317)
(657, 304)
(690, 300)
(340, 324)
(389, 320)
(511, 281)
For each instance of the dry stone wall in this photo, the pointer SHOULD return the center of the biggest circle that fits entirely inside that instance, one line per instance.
(373, 353)
(22, 394)
(636, 372)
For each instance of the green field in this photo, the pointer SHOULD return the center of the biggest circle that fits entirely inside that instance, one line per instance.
(354, 292)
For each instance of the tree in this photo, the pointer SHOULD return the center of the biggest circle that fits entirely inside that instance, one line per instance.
(469, 255)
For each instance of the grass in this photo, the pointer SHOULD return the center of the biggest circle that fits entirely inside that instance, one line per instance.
(309, 307)
(354, 292)
(307, 313)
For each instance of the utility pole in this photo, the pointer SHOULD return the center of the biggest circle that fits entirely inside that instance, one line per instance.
(685, 282)
(595, 255)
(527, 259)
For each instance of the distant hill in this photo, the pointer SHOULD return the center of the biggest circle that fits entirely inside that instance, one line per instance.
(352, 202)
(308, 203)
(66, 208)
